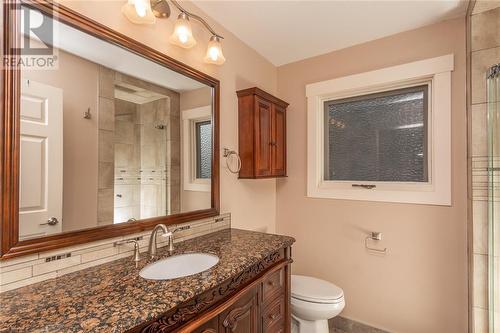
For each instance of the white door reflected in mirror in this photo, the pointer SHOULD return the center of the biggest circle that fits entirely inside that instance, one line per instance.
(41, 159)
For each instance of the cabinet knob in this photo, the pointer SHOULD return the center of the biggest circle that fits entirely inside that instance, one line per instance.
(273, 316)
(272, 143)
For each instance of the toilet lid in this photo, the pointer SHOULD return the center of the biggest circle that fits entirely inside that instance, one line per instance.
(311, 289)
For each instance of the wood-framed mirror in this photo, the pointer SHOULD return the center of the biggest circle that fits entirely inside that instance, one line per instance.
(101, 136)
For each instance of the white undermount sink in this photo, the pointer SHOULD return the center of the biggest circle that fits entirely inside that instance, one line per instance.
(179, 266)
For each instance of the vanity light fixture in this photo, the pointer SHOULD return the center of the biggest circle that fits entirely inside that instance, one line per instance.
(214, 52)
(142, 7)
(139, 12)
(146, 12)
(182, 35)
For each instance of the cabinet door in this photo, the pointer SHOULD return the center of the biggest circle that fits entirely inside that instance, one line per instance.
(242, 316)
(273, 286)
(263, 118)
(273, 317)
(278, 141)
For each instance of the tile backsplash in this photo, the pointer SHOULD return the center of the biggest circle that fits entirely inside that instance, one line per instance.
(22, 271)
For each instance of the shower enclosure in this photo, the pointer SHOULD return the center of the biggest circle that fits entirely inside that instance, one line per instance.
(493, 105)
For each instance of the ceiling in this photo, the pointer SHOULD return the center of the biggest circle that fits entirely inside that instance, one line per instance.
(288, 31)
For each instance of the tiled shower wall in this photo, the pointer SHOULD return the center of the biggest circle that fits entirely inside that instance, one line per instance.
(159, 151)
(144, 159)
(106, 125)
(485, 51)
(154, 158)
(22, 271)
(127, 162)
(151, 160)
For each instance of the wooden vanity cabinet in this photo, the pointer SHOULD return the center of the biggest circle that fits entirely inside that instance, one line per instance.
(256, 300)
(263, 307)
(262, 134)
(243, 316)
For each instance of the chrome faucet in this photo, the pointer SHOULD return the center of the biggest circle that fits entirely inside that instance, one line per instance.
(152, 239)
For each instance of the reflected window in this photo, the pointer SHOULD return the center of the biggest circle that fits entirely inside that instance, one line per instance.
(203, 149)
(197, 146)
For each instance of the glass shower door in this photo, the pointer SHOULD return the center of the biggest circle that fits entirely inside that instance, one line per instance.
(493, 105)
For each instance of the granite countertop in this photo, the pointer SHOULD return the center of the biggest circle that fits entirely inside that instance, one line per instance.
(113, 297)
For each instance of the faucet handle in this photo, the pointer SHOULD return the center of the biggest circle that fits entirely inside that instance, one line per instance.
(167, 234)
(137, 255)
(171, 243)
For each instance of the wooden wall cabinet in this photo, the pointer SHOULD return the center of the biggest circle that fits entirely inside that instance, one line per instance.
(262, 134)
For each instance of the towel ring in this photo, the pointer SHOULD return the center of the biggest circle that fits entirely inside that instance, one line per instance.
(227, 154)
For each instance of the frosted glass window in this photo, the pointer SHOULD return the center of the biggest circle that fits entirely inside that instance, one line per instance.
(378, 137)
(204, 149)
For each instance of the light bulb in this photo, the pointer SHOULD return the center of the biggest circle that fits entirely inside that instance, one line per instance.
(139, 12)
(182, 35)
(141, 7)
(214, 52)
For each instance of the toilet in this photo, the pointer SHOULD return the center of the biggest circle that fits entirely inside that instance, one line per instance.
(314, 301)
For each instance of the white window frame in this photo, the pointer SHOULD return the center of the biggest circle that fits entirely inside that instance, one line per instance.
(189, 119)
(437, 191)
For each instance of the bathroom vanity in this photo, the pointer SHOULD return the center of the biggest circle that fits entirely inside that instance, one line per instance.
(248, 290)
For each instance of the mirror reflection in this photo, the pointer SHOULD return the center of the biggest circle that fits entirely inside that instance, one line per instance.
(109, 137)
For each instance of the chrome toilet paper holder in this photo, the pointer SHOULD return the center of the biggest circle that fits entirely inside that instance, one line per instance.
(374, 236)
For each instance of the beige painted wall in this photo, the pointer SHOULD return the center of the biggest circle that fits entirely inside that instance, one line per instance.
(252, 203)
(193, 200)
(79, 136)
(421, 284)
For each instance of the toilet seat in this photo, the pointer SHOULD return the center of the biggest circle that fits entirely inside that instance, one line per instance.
(313, 290)
(339, 300)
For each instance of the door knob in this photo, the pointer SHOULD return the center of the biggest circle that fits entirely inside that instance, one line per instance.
(51, 221)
